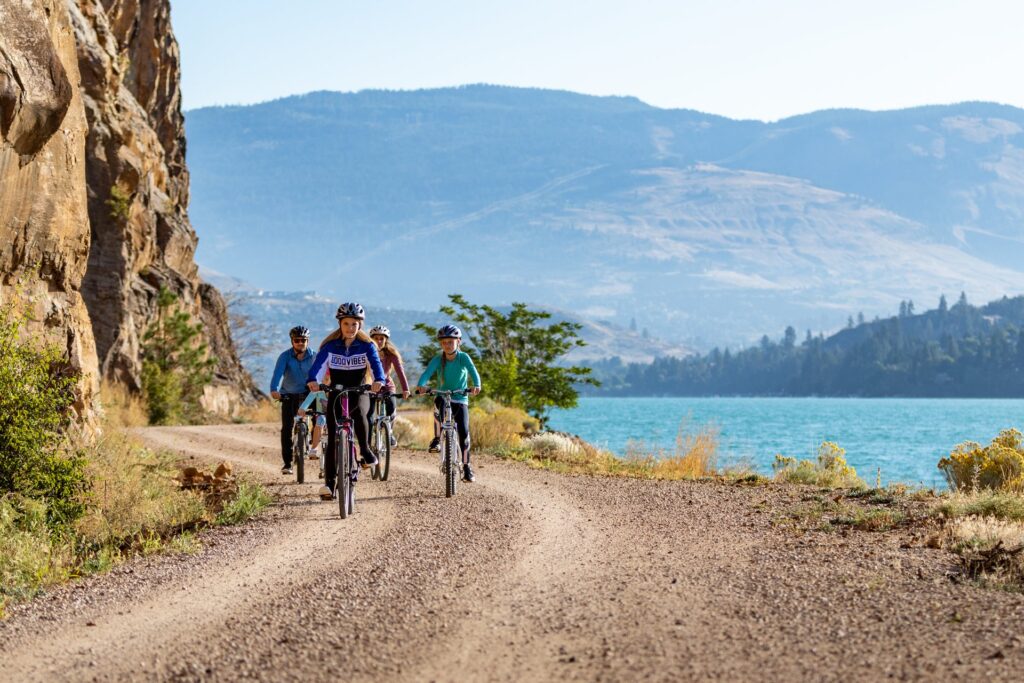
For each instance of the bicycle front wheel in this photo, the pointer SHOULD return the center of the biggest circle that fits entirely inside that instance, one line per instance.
(344, 476)
(384, 455)
(375, 444)
(299, 450)
(450, 477)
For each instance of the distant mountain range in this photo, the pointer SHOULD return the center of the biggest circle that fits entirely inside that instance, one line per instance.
(704, 229)
(270, 315)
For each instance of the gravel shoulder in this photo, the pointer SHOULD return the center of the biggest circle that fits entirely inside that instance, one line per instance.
(525, 575)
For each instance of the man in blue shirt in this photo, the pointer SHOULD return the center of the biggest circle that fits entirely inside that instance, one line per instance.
(288, 385)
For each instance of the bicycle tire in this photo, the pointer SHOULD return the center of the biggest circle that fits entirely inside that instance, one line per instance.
(353, 471)
(375, 443)
(385, 459)
(299, 453)
(449, 466)
(342, 483)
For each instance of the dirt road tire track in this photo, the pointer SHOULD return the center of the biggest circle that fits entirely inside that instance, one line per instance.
(524, 575)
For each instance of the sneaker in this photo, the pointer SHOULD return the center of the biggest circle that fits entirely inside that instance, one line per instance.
(287, 469)
(326, 493)
(313, 454)
(394, 441)
(467, 473)
(435, 445)
(369, 459)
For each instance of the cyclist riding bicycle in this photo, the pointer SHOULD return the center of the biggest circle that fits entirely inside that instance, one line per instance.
(315, 402)
(288, 385)
(390, 358)
(453, 369)
(347, 353)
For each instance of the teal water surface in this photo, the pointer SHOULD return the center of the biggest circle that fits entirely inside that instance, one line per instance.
(903, 437)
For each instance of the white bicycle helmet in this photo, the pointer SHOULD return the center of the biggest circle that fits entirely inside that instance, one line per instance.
(381, 330)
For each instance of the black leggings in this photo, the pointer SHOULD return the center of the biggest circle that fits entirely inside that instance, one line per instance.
(289, 407)
(460, 413)
(358, 409)
(388, 401)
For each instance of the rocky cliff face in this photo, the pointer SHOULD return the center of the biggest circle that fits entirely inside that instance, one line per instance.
(44, 225)
(95, 187)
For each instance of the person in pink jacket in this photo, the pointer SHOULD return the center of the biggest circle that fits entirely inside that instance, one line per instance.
(391, 359)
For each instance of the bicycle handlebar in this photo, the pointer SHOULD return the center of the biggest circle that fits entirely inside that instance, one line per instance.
(385, 394)
(447, 392)
(362, 388)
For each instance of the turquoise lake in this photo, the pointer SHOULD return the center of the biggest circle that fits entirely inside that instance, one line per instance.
(903, 437)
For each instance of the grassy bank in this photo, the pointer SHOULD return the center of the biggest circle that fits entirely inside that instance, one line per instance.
(132, 502)
(512, 434)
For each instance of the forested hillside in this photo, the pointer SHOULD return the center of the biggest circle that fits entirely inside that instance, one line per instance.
(958, 350)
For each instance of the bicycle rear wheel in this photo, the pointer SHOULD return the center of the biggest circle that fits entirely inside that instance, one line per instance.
(344, 481)
(299, 449)
(450, 478)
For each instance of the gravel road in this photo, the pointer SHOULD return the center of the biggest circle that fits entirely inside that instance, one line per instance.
(525, 575)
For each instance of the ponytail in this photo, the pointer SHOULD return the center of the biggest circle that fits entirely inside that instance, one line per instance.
(391, 350)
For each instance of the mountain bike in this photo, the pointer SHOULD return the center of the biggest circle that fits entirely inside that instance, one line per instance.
(451, 450)
(344, 446)
(381, 428)
(300, 446)
(300, 439)
(314, 415)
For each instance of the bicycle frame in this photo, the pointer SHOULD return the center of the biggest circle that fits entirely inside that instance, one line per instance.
(451, 449)
(381, 426)
(346, 468)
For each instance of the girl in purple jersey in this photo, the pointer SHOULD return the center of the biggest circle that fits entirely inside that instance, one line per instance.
(347, 354)
(391, 359)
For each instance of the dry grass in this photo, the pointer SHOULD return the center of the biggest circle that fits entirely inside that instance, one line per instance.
(496, 427)
(134, 506)
(983, 503)
(261, 411)
(121, 408)
(30, 557)
(695, 456)
(414, 429)
(991, 550)
(134, 495)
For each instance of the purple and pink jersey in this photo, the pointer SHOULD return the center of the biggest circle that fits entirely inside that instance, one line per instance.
(389, 362)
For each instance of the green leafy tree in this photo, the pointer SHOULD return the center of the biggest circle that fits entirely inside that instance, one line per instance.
(517, 354)
(176, 365)
(37, 392)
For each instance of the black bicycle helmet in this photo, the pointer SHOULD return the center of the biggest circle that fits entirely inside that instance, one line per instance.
(449, 332)
(299, 332)
(350, 310)
(381, 330)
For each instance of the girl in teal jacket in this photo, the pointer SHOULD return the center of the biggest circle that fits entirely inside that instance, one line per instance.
(453, 370)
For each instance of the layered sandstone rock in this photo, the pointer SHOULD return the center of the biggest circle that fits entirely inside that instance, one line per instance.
(44, 225)
(138, 189)
(94, 184)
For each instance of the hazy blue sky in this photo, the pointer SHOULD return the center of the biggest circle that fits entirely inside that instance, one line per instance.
(740, 58)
